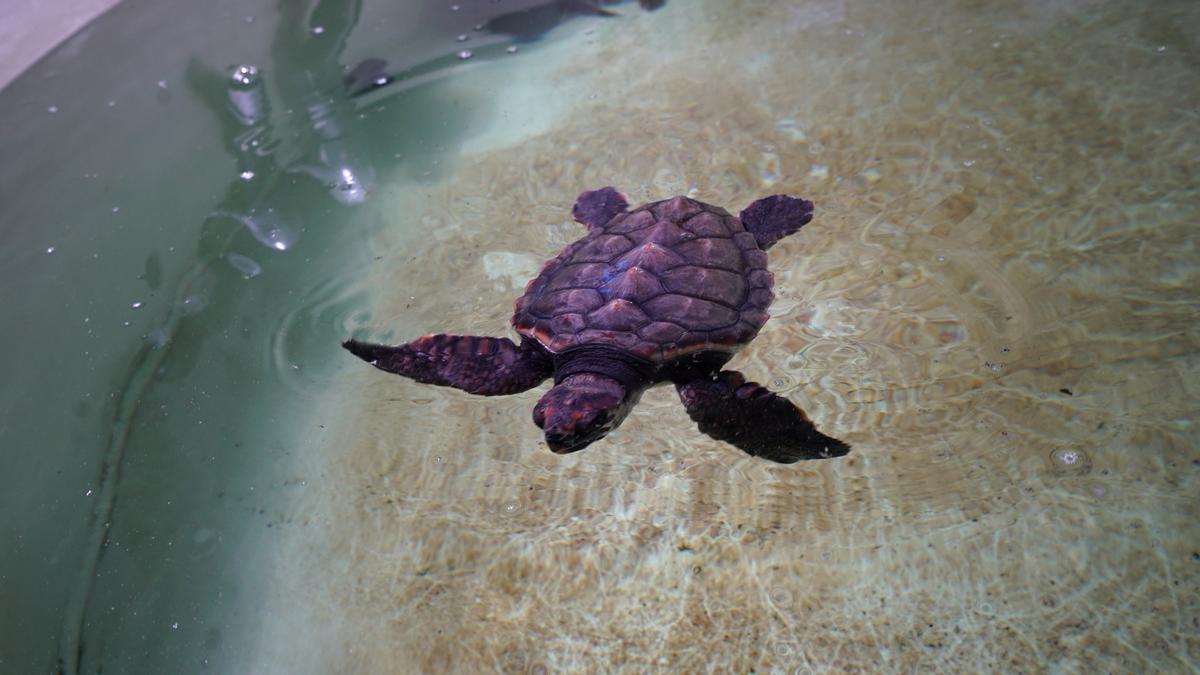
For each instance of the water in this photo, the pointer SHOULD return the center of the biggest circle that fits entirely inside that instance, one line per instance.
(994, 305)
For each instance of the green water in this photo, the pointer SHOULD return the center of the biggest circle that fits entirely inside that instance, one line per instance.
(174, 279)
(994, 306)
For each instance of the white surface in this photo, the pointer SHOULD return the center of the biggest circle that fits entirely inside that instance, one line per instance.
(30, 28)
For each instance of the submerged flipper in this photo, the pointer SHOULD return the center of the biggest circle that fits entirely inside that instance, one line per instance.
(747, 415)
(487, 366)
(772, 218)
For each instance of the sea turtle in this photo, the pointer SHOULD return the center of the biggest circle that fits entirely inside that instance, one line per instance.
(667, 292)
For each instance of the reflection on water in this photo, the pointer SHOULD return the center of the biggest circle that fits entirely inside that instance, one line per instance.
(994, 305)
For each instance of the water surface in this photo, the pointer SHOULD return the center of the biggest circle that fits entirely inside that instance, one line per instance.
(994, 305)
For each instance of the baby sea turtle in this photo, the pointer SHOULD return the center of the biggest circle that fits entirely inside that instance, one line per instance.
(667, 292)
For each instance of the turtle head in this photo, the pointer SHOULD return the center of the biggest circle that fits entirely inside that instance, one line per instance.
(581, 410)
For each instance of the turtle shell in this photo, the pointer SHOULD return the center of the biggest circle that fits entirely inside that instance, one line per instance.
(663, 281)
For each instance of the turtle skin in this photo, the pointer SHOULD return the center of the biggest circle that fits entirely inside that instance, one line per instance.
(663, 281)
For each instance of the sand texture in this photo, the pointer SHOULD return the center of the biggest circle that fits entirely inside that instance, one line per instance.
(995, 305)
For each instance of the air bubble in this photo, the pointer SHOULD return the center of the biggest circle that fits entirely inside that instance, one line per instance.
(193, 303)
(50, 249)
(246, 175)
(1070, 461)
(781, 382)
(510, 507)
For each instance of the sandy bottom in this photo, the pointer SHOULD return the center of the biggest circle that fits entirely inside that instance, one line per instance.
(995, 306)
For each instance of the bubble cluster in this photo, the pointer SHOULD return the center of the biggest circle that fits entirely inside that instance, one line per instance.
(245, 75)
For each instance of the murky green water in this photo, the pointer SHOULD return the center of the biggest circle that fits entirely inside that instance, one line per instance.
(995, 306)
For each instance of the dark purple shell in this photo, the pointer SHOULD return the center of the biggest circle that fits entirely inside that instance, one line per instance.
(668, 279)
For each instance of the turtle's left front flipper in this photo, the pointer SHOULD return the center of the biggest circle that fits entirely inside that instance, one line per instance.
(761, 423)
(488, 366)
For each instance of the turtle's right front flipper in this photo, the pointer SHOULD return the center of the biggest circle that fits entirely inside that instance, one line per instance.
(757, 421)
(487, 366)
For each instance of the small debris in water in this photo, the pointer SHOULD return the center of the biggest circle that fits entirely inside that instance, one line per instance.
(512, 49)
(454, 8)
(1066, 391)
(1160, 49)
(116, 209)
(317, 30)
(137, 305)
(941, 258)
(968, 163)
(52, 109)
(819, 171)
(247, 175)
(112, 104)
(465, 54)
(462, 38)
(49, 250)
(162, 84)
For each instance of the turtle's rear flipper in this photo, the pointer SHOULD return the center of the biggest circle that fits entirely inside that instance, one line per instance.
(479, 365)
(772, 218)
(761, 423)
